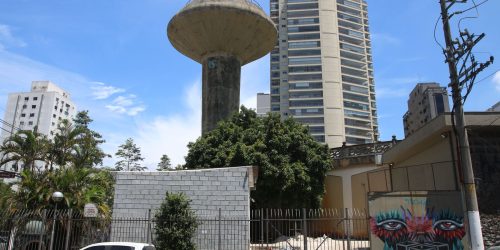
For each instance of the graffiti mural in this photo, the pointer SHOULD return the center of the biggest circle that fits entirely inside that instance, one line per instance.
(417, 224)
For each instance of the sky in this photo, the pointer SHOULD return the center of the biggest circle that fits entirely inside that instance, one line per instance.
(115, 59)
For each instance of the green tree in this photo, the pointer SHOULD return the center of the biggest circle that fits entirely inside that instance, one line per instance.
(292, 166)
(130, 155)
(87, 151)
(164, 164)
(175, 223)
(79, 186)
(24, 149)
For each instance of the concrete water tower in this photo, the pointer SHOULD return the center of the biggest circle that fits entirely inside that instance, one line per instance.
(222, 35)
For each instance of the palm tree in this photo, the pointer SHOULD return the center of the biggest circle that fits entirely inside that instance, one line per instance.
(24, 149)
(79, 186)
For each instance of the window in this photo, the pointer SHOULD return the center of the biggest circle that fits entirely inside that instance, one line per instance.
(356, 114)
(32, 114)
(306, 94)
(25, 106)
(33, 106)
(357, 123)
(355, 105)
(303, 36)
(319, 138)
(30, 123)
(308, 44)
(306, 85)
(21, 123)
(355, 97)
(55, 107)
(303, 13)
(121, 248)
(97, 248)
(303, 21)
(357, 132)
(352, 140)
(361, 90)
(305, 52)
(23, 115)
(54, 115)
(316, 129)
(35, 98)
(303, 28)
(304, 60)
(26, 98)
(302, 112)
(305, 77)
(306, 103)
(439, 103)
(302, 69)
(310, 120)
(302, 6)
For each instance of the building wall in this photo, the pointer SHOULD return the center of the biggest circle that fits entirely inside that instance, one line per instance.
(209, 190)
(263, 104)
(321, 69)
(350, 200)
(423, 106)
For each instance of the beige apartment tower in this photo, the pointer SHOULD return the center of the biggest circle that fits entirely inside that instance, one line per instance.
(321, 69)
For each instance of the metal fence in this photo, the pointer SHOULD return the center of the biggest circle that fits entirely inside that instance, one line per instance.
(264, 229)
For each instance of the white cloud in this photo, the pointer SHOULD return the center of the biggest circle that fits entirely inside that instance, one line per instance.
(7, 39)
(126, 105)
(171, 134)
(496, 80)
(102, 91)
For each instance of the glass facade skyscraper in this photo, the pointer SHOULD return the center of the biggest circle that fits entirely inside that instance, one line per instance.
(321, 69)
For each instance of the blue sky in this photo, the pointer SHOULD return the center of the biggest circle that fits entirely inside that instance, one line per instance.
(115, 59)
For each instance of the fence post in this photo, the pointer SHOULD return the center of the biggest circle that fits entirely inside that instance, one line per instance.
(348, 228)
(267, 226)
(68, 230)
(148, 236)
(42, 232)
(304, 227)
(219, 246)
(262, 227)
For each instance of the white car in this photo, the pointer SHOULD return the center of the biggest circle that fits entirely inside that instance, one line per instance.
(119, 246)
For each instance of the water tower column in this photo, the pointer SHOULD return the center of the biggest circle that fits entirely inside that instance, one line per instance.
(221, 90)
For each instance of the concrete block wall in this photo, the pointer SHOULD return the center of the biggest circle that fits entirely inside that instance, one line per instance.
(209, 190)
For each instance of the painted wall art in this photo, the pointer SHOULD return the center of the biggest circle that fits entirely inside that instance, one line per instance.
(413, 220)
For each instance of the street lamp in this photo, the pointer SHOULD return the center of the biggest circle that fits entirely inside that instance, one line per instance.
(56, 197)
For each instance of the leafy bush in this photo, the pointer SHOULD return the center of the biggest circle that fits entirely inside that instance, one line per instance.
(175, 223)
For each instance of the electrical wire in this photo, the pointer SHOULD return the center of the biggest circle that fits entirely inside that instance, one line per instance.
(482, 79)
(435, 28)
(473, 7)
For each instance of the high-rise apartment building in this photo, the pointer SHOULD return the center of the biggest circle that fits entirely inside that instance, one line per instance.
(426, 101)
(43, 107)
(321, 69)
(263, 104)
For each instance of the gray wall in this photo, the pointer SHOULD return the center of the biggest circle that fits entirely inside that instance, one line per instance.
(209, 190)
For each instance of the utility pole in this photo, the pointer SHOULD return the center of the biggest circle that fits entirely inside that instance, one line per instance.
(454, 52)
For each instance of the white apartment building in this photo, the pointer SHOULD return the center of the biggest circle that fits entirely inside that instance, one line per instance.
(426, 101)
(321, 69)
(43, 107)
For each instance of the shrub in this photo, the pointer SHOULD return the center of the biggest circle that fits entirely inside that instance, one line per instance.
(175, 223)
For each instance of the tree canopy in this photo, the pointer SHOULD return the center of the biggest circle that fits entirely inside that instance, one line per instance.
(292, 165)
(164, 164)
(130, 155)
(66, 164)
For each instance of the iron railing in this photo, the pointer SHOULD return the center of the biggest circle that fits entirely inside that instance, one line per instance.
(319, 229)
